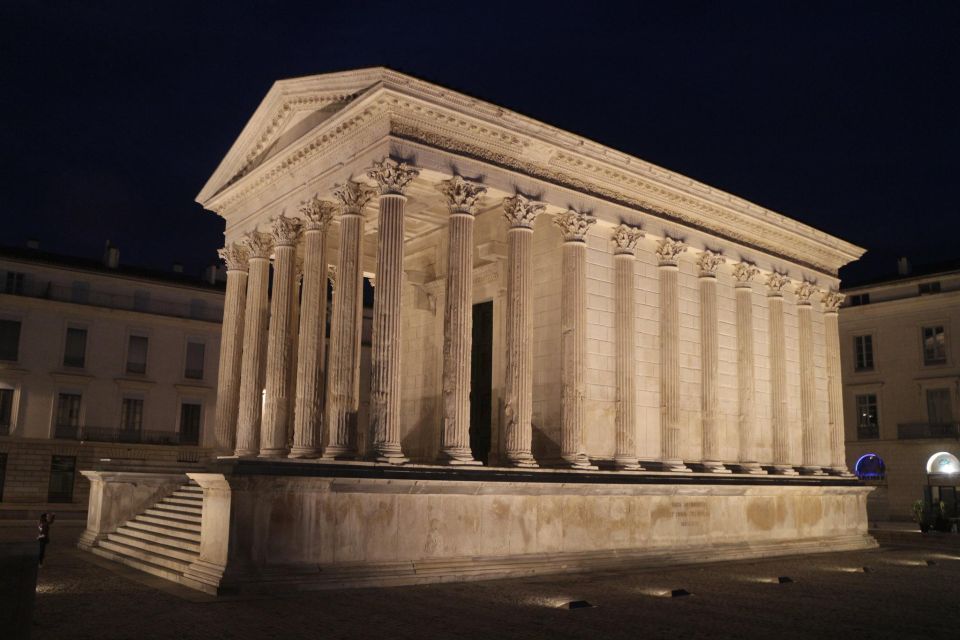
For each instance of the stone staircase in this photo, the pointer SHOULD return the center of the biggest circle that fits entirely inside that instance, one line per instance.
(163, 540)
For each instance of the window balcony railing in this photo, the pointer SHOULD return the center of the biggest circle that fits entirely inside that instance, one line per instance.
(125, 436)
(200, 309)
(928, 430)
(868, 432)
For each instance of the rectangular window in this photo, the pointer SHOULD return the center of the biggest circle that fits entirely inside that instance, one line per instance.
(859, 299)
(3, 472)
(14, 283)
(131, 414)
(9, 340)
(194, 365)
(62, 473)
(67, 423)
(934, 345)
(137, 354)
(929, 287)
(6, 411)
(75, 347)
(863, 348)
(190, 423)
(939, 410)
(868, 422)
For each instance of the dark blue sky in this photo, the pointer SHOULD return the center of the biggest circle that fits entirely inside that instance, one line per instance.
(840, 114)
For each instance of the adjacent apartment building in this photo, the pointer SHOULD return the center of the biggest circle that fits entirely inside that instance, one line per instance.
(900, 339)
(100, 363)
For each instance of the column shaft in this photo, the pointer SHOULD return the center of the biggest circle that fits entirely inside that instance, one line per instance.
(276, 419)
(573, 353)
(745, 380)
(518, 392)
(253, 359)
(838, 463)
(385, 387)
(231, 350)
(308, 412)
(808, 393)
(626, 438)
(670, 453)
(457, 342)
(778, 388)
(710, 374)
(343, 399)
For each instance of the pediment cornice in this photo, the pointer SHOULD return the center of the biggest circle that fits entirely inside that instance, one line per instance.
(415, 111)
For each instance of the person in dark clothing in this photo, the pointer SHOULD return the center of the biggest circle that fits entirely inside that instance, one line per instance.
(43, 538)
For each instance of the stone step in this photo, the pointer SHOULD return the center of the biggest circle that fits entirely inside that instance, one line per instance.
(191, 488)
(165, 530)
(119, 548)
(168, 505)
(157, 511)
(156, 548)
(187, 495)
(185, 544)
(147, 567)
(169, 522)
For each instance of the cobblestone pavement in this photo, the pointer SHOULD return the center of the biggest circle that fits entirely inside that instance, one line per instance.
(830, 596)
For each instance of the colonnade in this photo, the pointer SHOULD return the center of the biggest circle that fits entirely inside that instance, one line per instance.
(272, 346)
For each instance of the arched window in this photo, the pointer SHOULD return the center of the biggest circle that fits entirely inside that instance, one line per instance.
(870, 467)
(943, 462)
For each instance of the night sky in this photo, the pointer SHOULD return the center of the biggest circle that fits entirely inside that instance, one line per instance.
(843, 115)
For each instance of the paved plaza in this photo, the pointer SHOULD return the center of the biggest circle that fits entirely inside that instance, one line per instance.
(901, 595)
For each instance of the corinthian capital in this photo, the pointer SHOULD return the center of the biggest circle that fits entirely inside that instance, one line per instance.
(392, 176)
(708, 261)
(463, 196)
(625, 239)
(521, 211)
(832, 300)
(353, 196)
(258, 244)
(744, 272)
(804, 291)
(235, 256)
(574, 225)
(669, 250)
(285, 231)
(776, 282)
(317, 214)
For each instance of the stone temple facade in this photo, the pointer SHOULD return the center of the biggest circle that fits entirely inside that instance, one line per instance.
(577, 357)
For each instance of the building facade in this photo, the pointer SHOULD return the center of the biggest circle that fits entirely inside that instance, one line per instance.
(901, 372)
(100, 361)
(578, 359)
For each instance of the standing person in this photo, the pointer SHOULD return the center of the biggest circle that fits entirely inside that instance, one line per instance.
(43, 538)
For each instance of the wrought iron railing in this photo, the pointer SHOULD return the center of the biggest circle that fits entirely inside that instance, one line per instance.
(125, 436)
(928, 430)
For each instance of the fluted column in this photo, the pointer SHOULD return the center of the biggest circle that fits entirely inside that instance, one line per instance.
(276, 417)
(668, 256)
(831, 301)
(778, 377)
(308, 414)
(463, 198)
(573, 336)
(343, 385)
(236, 258)
(253, 359)
(743, 273)
(625, 240)
(518, 393)
(385, 388)
(710, 362)
(808, 389)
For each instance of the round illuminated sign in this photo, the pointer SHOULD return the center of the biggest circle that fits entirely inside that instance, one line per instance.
(943, 462)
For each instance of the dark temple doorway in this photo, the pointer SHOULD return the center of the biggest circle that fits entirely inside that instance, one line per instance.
(481, 377)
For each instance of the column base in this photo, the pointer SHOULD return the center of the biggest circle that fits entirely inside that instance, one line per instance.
(304, 452)
(334, 452)
(391, 457)
(579, 462)
(522, 461)
(752, 468)
(627, 464)
(676, 466)
(246, 453)
(843, 472)
(273, 453)
(712, 466)
(812, 471)
(783, 470)
(458, 458)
